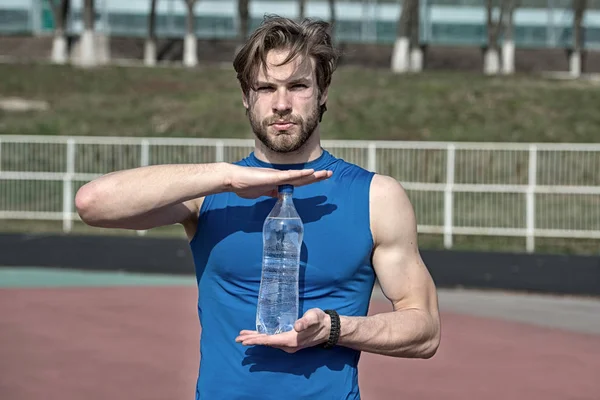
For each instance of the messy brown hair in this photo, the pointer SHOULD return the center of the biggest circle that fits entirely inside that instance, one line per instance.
(307, 38)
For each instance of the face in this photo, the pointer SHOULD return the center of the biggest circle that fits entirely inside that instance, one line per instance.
(283, 106)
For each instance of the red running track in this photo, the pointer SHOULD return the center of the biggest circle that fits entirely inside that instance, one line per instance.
(142, 343)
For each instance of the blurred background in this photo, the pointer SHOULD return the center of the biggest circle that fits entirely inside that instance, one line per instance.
(487, 111)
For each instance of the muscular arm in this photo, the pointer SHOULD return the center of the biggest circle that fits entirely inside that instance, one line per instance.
(147, 197)
(412, 329)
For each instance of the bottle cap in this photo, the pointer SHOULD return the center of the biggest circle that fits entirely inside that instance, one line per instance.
(286, 188)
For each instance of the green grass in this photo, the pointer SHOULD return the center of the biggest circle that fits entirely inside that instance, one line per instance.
(363, 104)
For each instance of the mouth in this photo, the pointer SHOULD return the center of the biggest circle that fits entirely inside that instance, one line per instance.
(282, 125)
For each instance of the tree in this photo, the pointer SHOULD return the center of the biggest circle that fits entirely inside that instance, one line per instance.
(150, 47)
(575, 62)
(93, 47)
(491, 57)
(416, 53)
(88, 40)
(60, 13)
(244, 17)
(495, 28)
(302, 11)
(332, 17)
(407, 39)
(508, 44)
(190, 43)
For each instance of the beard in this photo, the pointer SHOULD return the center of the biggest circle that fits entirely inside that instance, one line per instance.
(285, 141)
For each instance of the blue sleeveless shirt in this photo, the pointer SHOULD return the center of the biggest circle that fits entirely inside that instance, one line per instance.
(335, 273)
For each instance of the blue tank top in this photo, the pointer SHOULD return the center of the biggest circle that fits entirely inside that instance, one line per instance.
(335, 273)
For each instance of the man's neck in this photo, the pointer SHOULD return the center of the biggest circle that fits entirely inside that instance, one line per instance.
(311, 150)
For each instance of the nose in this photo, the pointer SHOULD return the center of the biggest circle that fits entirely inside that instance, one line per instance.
(281, 101)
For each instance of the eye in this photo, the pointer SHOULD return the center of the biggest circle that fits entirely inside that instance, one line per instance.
(264, 89)
(299, 86)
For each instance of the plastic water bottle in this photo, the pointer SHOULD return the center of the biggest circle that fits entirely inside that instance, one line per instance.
(283, 231)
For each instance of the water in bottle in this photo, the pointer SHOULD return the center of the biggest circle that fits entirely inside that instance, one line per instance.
(277, 308)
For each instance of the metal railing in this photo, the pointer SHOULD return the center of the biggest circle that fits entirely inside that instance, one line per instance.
(485, 189)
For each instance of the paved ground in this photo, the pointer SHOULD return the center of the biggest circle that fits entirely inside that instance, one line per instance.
(569, 313)
(577, 314)
(69, 335)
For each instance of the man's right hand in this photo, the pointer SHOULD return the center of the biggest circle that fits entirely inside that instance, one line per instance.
(252, 182)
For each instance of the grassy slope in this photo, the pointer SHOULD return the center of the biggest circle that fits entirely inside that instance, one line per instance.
(364, 104)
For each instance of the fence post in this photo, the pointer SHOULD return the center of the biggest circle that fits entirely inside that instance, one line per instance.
(372, 157)
(145, 153)
(530, 196)
(220, 151)
(144, 161)
(68, 197)
(448, 196)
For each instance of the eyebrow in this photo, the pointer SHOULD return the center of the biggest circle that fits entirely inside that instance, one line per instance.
(292, 82)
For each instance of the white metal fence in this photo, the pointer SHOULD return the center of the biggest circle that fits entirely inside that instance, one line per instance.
(489, 189)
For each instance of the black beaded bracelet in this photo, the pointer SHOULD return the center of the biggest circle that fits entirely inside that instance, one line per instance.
(334, 333)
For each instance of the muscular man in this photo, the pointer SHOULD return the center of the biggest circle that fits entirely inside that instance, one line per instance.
(359, 226)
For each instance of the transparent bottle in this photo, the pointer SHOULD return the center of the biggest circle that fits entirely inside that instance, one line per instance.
(283, 231)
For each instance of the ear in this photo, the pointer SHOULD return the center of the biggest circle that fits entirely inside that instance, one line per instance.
(324, 96)
(245, 100)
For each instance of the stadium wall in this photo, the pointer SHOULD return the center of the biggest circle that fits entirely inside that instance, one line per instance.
(541, 273)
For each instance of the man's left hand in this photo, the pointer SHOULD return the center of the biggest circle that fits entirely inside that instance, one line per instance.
(310, 330)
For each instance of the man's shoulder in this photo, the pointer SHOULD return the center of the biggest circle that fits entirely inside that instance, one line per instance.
(390, 205)
(386, 187)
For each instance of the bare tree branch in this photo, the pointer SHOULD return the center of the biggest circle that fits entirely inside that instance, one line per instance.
(302, 4)
(579, 7)
(152, 21)
(510, 5)
(244, 17)
(190, 41)
(190, 19)
(333, 17)
(494, 27)
(89, 15)
(60, 12)
(405, 20)
(414, 22)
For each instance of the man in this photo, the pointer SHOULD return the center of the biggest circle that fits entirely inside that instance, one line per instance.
(359, 226)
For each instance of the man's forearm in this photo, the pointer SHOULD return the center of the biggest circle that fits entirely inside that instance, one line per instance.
(408, 333)
(130, 193)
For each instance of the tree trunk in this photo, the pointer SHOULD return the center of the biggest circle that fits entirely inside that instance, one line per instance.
(332, 17)
(302, 9)
(491, 60)
(401, 51)
(190, 56)
(575, 62)
(416, 53)
(150, 47)
(60, 12)
(244, 17)
(508, 45)
(87, 45)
